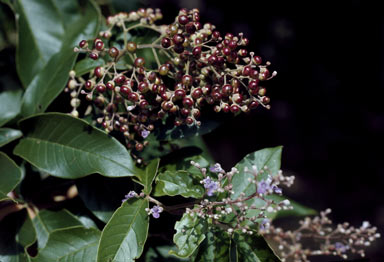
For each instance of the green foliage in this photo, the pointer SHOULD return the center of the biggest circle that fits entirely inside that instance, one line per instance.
(70, 244)
(48, 30)
(10, 102)
(215, 247)
(178, 183)
(8, 135)
(190, 232)
(46, 222)
(68, 147)
(146, 178)
(10, 175)
(124, 236)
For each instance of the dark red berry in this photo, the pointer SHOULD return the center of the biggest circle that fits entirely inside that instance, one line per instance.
(188, 102)
(196, 51)
(246, 71)
(178, 49)
(253, 84)
(216, 96)
(144, 104)
(232, 44)
(184, 111)
(83, 44)
(254, 74)
(134, 97)
(212, 59)
(139, 147)
(99, 45)
(216, 35)
(258, 60)
(143, 87)
(139, 62)
(187, 80)
(120, 79)
(226, 90)
(253, 104)
(165, 42)
(226, 51)
(113, 52)
(93, 56)
(110, 85)
(178, 39)
(100, 88)
(226, 108)
(189, 121)
(183, 19)
(235, 108)
(99, 71)
(88, 85)
(242, 52)
(125, 90)
(266, 100)
(197, 93)
(190, 28)
(179, 93)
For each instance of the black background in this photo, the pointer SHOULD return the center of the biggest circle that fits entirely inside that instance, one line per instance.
(327, 108)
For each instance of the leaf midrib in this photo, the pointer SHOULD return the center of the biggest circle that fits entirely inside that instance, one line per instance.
(77, 150)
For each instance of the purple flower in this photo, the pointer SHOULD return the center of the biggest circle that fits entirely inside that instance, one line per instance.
(216, 168)
(264, 186)
(264, 224)
(210, 185)
(131, 194)
(341, 247)
(145, 133)
(155, 211)
(277, 189)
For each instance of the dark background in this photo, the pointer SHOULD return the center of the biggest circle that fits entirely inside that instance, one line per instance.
(327, 108)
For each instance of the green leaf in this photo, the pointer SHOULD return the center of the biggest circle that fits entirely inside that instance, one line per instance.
(161, 253)
(190, 232)
(215, 247)
(178, 183)
(124, 236)
(50, 81)
(8, 135)
(269, 157)
(86, 65)
(104, 195)
(47, 27)
(149, 174)
(46, 222)
(68, 147)
(253, 248)
(181, 160)
(10, 175)
(15, 235)
(47, 85)
(70, 245)
(10, 102)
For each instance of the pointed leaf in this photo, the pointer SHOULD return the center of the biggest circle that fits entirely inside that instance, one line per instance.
(10, 102)
(70, 245)
(10, 175)
(51, 79)
(178, 183)
(253, 248)
(215, 247)
(46, 222)
(47, 27)
(269, 157)
(8, 135)
(149, 174)
(124, 236)
(190, 232)
(68, 147)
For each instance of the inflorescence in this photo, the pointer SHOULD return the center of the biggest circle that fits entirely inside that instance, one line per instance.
(195, 67)
(317, 236)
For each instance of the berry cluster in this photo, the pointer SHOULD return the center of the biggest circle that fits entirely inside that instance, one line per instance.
(298, 245)
(201, 68)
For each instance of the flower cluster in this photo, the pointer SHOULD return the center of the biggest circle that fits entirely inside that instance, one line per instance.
(238, 211)
(155, 211)
(195, 67)
(297, 245)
